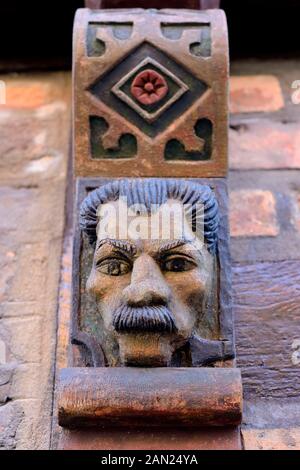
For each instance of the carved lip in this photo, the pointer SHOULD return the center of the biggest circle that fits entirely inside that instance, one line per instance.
(130, 101)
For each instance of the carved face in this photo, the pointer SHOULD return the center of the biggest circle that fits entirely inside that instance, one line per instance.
(151, 293)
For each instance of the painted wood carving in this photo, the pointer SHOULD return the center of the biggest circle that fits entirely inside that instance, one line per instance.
(150, 93)
(152, 334)
(150, 291)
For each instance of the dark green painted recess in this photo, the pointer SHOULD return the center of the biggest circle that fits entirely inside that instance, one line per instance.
(96, 47)
(175, 150)
(127, 143)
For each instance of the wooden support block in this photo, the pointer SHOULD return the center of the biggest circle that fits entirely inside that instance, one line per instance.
(183, 132)
(150, 107)
(130, 396)
(177, 438)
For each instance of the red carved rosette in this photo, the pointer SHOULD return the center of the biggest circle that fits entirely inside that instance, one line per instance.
(149, 87)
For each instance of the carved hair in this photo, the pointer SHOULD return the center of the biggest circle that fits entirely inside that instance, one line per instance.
(154, 191)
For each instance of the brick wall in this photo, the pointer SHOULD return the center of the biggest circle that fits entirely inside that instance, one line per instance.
(264, 187)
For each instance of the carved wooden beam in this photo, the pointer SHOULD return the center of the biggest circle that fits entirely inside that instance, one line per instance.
(184, 396)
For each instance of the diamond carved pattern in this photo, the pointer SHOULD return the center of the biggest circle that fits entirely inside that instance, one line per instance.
(135, 103)
(180, 89)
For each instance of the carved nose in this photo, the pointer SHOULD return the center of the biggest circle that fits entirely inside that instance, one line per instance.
(145, 293)
(148, 286)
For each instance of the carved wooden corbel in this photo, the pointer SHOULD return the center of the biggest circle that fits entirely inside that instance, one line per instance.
(152, 329)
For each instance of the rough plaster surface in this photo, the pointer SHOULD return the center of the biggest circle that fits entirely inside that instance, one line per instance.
(34, 146)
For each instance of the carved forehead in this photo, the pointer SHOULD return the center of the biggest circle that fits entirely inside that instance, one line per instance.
(149, 192)
(165, 223)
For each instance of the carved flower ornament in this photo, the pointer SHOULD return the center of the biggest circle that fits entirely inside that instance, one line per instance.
(149, 87)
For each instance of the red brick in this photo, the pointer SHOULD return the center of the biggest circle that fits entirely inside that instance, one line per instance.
(264, 144)
(25, 94)
(272, 439)
(255, 93)
(252, 214)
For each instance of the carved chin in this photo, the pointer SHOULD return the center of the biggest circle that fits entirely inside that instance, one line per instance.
(148, 349)
(145, 349)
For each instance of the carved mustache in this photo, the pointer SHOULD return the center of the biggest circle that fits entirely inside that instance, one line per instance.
(153, 319)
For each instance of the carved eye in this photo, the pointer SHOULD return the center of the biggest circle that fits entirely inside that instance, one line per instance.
(178, 264)
(113, 267)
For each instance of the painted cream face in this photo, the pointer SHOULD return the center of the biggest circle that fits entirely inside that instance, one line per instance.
(144, 274)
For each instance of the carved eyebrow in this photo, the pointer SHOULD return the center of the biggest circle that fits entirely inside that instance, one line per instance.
(123, 245)
(171, 245)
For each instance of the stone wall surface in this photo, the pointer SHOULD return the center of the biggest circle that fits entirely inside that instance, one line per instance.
(34, 148)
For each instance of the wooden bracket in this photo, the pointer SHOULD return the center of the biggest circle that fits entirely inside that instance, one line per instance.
(150, 127)
(131, 396)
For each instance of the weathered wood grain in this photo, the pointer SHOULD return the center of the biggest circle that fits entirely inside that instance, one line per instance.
(132, 396)
(148, 439)
(267, 318)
